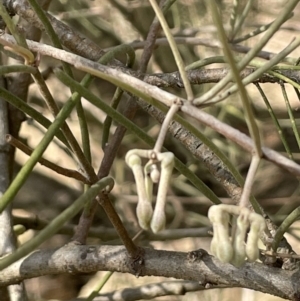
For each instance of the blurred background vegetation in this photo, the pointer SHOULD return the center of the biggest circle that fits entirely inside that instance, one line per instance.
(114, 22)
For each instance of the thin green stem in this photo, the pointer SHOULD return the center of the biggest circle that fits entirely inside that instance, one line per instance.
(108, 120)
(176, 15)
(233, 18)
(297, 93)
(216, 150)
(96, 291)
(275, 121)
(57, 222)
(221, 59)
(206, 61)
(56, 168)
(119, 92)
(257, 73)
(85, 137)
(253, 128)
(20, 39)
(37, 153)
(27, 109)
(174, 48)
(167, 5)
(285, 79)
(241, 18)
(83, 161)
(124, 48)
(289, 220)
(258, 63)
(17, 68)
(290, 112)
(255, 32)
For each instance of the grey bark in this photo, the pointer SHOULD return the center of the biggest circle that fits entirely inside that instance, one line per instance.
(195, 266)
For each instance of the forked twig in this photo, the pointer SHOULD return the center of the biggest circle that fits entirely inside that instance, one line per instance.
(58, 169)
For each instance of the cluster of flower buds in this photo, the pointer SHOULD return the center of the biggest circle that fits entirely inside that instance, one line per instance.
(236, 249)
(144, 179)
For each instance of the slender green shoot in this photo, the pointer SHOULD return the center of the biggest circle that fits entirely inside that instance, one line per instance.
(17, 68)
(275, 121)
(174, 48)
(99, 287)
(233, 18)
(241, 19)
(285, 79)
(253, 128)
(289, 220)
(23, 174)
(34, 114)
(290, 112)
(176, 15)
(85, 137)
(257, 73)
(205, 62)
(108, 120)
(119, 92)
(297, 93)
(20, 39)
(221, 60)
(255, 32)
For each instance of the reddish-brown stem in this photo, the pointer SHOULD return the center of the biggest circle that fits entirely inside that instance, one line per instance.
(104, 201)
(110, 152)
(58, 169)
